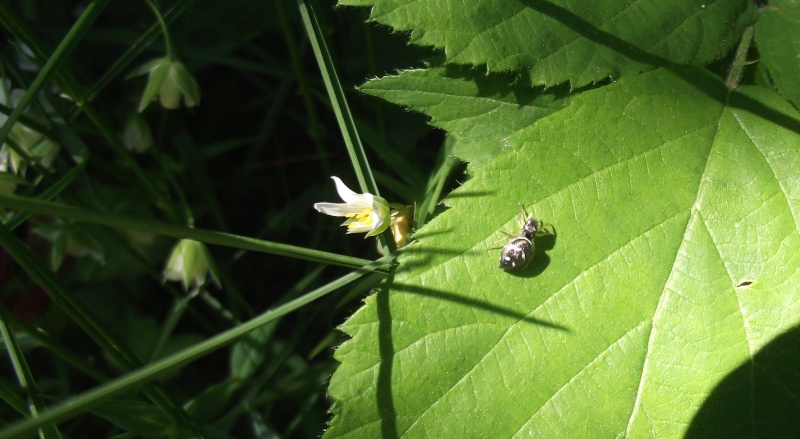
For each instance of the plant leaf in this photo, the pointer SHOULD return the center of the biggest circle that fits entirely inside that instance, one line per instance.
(480, 111)
(135, 416)
(675, 210)
(778, 40)
(566, 40)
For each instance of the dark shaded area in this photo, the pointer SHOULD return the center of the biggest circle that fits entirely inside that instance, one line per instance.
(759, 399)
(251, 159)
(385, 397)
(700, 79)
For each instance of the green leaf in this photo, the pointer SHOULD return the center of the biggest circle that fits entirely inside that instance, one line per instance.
(248, 355)
(566, 40)
(134, 416)
(778, 40)
(475, 109)
(673, 265)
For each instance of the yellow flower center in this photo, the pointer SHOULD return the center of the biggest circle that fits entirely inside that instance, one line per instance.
(362, 219)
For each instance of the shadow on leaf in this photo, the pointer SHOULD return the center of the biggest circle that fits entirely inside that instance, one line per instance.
(760, 398)
(712, 86)
(476, 303)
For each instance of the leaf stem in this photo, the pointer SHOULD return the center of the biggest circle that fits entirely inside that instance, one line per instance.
(164, 30)
(740, 59)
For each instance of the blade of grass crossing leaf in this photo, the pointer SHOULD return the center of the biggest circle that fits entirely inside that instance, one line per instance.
(81, 403)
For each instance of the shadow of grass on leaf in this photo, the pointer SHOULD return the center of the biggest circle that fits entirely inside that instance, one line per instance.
(474, 303)
(710, 86)
(384, 396)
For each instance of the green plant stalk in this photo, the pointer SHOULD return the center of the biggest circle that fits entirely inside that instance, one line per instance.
(164, 30)
(433, 191)
(58, 349)
(24, 376)
(174, 316)
(130, 55)
(344, 117)
(300, 75)
(127, 158)
(91, 13)
(338, 101)
(18, 27)
(740, 59)
(159, 228)
(61, 298)
(83, 402)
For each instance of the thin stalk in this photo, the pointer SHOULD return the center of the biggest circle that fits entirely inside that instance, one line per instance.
(344, 117)
(338, 101)
(91, 13)
(56, 348)
(159, 228)
(66, 302)
(81, 403)
(23, 373)
(740, 59)
(164, 30)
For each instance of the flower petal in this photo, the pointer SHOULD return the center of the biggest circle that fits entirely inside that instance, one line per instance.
(337, 209)
(350, 197)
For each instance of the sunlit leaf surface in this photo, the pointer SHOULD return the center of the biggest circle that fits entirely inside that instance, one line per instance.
(664, 304)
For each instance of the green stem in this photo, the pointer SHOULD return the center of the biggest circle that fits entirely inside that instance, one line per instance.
(740, 59)
(83, 402)
(164, 30)
(72, 308)
(158, 228)
(91, 12)
(344, 117)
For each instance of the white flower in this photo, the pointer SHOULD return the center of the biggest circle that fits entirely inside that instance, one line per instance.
(137, 135)
(365, 213)
(170, 81)
(38, 147)
(190, 263)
